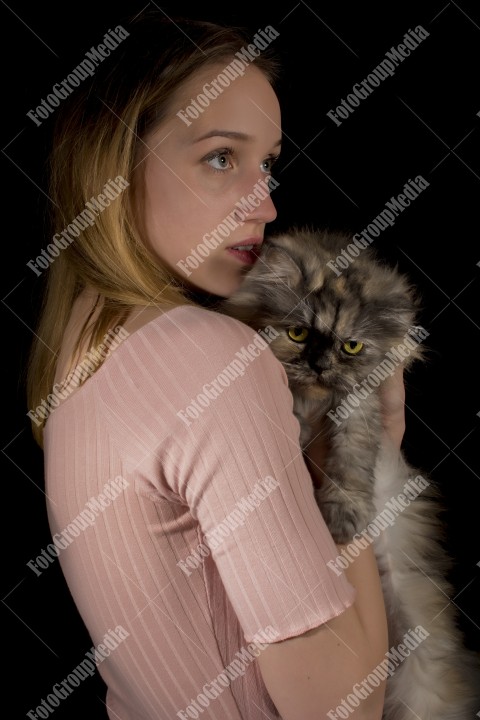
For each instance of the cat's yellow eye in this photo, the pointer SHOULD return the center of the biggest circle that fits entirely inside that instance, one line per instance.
(352, 347)
(297, 334)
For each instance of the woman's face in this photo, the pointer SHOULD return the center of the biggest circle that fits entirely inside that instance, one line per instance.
(206, 180)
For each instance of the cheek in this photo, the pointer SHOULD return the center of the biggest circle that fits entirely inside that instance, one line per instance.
(286, 350)
(352, 370)
(166, 199)
(172, 220)
(367, 365)
(166, 190)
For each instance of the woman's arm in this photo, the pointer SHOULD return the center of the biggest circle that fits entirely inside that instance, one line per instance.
(330, 629)
(308, 676)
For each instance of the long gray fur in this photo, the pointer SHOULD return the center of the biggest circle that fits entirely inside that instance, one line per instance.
(292, 285)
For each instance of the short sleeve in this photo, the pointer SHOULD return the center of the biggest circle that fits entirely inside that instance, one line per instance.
(234, 457)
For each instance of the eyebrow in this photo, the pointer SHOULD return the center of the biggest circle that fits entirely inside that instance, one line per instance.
(232, 134)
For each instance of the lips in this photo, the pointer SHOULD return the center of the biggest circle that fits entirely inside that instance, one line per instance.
(246, 251)
(243, 247)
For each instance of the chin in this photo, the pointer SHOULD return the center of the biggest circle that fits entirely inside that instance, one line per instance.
(320, 391)
(312, 388)
(228, 290)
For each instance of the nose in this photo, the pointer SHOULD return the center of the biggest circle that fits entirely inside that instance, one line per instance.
(320, 353)
(257, 203)
(269, 211)
(319, 363)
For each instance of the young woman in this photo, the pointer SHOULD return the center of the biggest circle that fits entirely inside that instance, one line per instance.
(177, 491)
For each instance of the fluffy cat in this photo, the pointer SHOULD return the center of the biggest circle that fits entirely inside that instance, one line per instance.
(344, 327)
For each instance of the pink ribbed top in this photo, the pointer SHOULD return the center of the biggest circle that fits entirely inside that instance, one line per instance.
(264, 568)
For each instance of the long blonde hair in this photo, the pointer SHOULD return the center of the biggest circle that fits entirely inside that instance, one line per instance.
(97, 139)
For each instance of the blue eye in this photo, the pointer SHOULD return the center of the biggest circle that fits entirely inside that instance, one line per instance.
(268, 163)
(221, 159)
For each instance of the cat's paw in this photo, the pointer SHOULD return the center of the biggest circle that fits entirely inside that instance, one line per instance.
(345, 513)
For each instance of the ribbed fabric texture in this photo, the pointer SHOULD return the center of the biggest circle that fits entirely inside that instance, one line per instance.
(265, 570)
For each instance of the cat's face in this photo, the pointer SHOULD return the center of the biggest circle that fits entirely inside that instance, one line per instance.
(333, 329)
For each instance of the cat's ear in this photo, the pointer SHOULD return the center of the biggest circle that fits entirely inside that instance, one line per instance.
(277, 266)
(273, 282)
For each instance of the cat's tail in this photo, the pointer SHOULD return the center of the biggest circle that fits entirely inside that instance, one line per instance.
(437, 677)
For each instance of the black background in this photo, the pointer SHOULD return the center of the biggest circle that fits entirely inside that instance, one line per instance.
(425, 120)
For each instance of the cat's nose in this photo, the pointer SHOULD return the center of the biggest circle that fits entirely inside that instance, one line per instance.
(319, 363)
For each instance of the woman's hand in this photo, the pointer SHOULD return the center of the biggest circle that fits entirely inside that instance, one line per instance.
(392, 397)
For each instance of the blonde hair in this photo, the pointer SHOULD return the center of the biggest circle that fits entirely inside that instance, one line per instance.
(97, 139)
